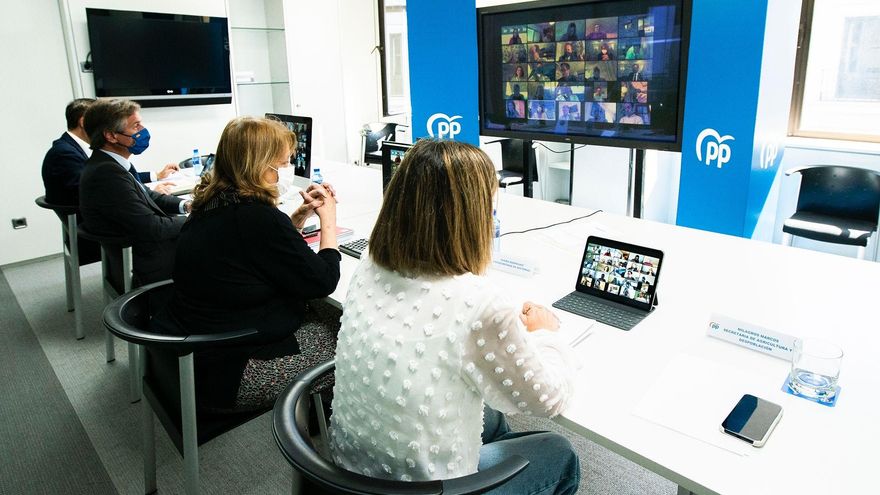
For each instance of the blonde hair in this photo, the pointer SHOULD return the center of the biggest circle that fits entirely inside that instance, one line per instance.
(247, 147)
(436, 217)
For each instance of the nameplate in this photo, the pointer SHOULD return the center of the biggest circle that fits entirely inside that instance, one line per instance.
(751, 336)
(512, 264)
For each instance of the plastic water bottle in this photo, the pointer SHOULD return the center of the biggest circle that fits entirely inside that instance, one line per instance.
(317, 178)
(197, 163)
(496, 246)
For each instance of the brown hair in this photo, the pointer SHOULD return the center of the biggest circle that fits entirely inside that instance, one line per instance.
(247, 147)
(76, 109)
(436, 218)
(107, 115)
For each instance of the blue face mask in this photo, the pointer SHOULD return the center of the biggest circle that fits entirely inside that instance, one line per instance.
(141, 141)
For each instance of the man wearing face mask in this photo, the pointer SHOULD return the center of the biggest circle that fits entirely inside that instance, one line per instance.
(114, 203)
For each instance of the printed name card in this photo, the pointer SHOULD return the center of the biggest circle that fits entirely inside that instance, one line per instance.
(751, 336)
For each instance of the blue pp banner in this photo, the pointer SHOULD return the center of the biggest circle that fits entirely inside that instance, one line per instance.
(443, 69)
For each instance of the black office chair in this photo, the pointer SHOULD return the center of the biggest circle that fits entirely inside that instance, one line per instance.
(512, 170)
(116, 269)
(372, 136)
(290, 425)
(72, 261)
(169, 381)
(836, 204)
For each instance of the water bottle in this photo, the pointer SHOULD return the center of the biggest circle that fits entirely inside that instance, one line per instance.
(496, 246)
(197, 163)
(317, 178)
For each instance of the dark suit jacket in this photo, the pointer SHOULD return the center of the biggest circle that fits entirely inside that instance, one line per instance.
(114, 203)
(62, 167)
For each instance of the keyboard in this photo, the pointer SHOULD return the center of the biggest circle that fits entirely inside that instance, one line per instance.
(354, 248)
(615, 315)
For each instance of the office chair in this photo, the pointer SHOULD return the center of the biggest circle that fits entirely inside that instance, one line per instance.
(116, 280)
(372, 136)
(512, 171)
(169, 381)
(836, 204)
(290, 426)
(72, 260)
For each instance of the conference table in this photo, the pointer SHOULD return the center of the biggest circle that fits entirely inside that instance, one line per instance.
(657, 394)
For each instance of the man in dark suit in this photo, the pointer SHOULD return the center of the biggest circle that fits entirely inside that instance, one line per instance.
(114, 203)
(64, 162)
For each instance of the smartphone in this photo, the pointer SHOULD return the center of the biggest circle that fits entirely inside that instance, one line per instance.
(752, 420)
(310, 230)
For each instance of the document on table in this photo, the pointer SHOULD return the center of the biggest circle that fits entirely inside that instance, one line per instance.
(692, 396)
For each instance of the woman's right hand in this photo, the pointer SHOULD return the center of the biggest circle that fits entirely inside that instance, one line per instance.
(327, 210)
(536, 317)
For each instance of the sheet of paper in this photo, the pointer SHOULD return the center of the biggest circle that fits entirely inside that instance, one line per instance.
(692, 396)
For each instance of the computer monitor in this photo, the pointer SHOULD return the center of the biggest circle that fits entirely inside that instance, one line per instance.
(301, 158)
(392, 155)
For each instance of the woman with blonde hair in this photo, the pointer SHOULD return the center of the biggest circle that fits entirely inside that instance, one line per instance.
(426, 341)
(242, 263)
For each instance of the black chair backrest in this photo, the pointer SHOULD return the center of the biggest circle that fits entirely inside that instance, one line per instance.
(61, 210)
(512, 157)
(291, 430)
(841, 191)
(377, 132)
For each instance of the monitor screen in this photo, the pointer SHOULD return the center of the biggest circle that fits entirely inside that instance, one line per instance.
(622, 270)
(301, 158)
(392, 156)
(594, 72)
(159, 59)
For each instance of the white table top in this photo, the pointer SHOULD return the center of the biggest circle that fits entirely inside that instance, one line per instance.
(815, 449)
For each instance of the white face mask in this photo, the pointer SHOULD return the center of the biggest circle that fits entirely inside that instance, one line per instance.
(285, 179)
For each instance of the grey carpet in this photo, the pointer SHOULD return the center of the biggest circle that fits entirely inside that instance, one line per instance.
(245, 460)
(45, 447)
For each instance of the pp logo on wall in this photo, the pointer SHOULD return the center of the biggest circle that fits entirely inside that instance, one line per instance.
(716, 149)
(769, 152)
(446, 126)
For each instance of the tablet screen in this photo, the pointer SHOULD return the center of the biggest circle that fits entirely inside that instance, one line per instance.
(619, 271)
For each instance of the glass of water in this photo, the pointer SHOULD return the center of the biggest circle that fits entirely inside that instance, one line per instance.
(815, 367)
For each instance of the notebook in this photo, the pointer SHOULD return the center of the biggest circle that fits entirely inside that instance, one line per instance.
(314, 238)
(616, 283)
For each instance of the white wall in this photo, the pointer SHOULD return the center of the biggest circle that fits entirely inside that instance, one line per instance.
(36, 87)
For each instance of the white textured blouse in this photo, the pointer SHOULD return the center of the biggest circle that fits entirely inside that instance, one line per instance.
(416, 359)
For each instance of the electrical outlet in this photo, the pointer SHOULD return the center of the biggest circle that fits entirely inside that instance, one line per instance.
(85, 67)
(19, 223)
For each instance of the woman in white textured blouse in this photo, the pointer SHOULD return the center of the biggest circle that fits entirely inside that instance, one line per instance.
(425, 340)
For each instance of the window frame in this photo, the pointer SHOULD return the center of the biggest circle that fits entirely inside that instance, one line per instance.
(384, 65)
(800, 76)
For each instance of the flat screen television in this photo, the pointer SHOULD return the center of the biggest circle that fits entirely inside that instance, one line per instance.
(160, 59)
(585, 71)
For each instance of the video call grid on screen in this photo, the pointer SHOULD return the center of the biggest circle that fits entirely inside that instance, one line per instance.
(593, 74)
(624, 273)
(300, 126)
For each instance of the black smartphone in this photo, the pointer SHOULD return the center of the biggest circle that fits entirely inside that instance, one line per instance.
(752, 420)
(310, 230)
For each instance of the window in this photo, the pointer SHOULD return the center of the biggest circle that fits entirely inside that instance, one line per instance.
(837, 77)
(394, 57)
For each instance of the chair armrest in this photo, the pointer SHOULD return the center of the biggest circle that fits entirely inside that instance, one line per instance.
(487, 479)
(132, 304)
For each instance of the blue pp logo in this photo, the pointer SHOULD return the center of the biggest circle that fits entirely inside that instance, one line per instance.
(446, 126)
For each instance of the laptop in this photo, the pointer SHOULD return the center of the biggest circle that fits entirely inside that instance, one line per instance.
(616, 283)
(392, 155)
(301, 158)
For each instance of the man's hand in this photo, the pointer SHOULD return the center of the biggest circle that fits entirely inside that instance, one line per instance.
(163, 188)
(167, 170)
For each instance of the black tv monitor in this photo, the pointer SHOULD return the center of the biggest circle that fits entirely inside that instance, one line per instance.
(392, 155)
(599, 72)
(301, 158)
(160, 59)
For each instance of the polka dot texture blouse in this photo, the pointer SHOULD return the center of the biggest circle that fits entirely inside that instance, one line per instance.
(416, 359)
